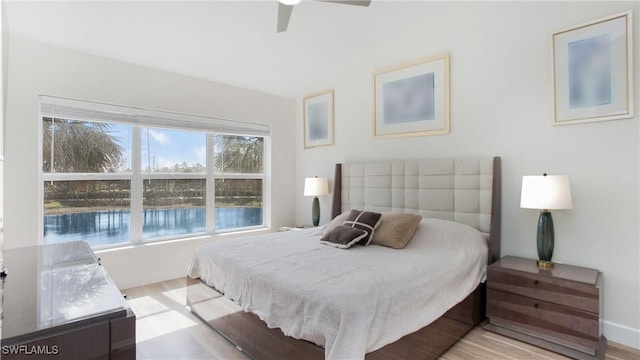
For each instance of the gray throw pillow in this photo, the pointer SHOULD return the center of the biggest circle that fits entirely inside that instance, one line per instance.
(337, 221)
(363, 220)
(343, 237)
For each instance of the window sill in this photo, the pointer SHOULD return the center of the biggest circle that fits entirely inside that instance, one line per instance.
(232, 233)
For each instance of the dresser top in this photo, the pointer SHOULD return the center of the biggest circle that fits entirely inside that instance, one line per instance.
(559, 271)
(53, 286)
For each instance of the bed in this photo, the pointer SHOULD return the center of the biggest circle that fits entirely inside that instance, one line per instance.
(310, 290)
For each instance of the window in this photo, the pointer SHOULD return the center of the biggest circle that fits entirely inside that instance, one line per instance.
(114, 175)
(96, 211)
(87, 181)
(174, 170)
(238, 164)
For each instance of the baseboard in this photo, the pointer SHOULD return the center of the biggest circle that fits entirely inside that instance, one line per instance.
(621, 334)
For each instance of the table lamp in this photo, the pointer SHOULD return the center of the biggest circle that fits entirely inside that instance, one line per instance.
(546, 192)
(315, 187)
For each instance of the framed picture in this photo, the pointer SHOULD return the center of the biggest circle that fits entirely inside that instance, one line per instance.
(412, 99)
(318, 120)
(592, 71)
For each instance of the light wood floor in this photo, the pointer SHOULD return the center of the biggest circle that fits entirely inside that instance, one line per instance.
(166, 329)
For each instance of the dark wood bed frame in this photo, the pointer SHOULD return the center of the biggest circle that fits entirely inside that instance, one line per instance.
(252, 336)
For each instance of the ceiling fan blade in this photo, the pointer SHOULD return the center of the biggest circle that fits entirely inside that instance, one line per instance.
(284, 14)
(349, 2)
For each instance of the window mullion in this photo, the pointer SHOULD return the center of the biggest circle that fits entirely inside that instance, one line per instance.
(135, 226)
(86, 176)
(210, 190)
(239, 176)
(266, 182)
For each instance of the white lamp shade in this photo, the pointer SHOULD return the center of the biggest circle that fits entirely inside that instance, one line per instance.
(290, 2)
(548, 192)
(316, 186)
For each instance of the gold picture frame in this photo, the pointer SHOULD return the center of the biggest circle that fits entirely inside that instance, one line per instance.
(592, 70)
(412, 99)
(318, 120)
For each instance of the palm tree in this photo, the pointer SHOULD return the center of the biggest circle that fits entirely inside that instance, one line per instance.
(80, 147)
(238, 154)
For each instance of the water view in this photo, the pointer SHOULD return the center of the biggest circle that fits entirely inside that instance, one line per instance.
(100, 228)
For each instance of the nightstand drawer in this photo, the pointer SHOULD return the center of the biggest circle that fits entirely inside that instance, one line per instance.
(558, 291)
(564, 325)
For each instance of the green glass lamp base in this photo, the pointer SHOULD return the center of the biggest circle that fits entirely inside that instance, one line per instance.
(545, 240)
(315, 211)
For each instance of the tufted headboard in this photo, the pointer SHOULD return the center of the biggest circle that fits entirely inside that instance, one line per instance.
(465, 190)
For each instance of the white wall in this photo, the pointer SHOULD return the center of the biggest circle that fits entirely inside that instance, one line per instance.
(3, 61)
(501, 104)
(36, 69)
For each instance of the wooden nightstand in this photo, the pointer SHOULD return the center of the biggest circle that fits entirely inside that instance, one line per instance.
(556, 309)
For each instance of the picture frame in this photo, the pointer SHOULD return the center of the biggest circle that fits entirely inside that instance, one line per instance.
(318, 120)
(412, 99)
(593, 71)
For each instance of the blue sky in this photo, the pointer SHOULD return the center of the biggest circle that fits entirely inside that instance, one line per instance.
(167, 147)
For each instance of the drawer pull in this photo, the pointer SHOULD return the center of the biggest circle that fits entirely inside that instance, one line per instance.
(535, 305)
(535, 282)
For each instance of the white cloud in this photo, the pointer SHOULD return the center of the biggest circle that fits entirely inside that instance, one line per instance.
(160, 137)
(201, 154)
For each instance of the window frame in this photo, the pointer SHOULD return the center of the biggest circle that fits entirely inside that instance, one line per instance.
(137, 177)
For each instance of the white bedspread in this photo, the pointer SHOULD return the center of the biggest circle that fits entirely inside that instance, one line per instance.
(351, 301)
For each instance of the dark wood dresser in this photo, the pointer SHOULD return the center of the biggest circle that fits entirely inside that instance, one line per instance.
(59, 303)
(557, 309)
